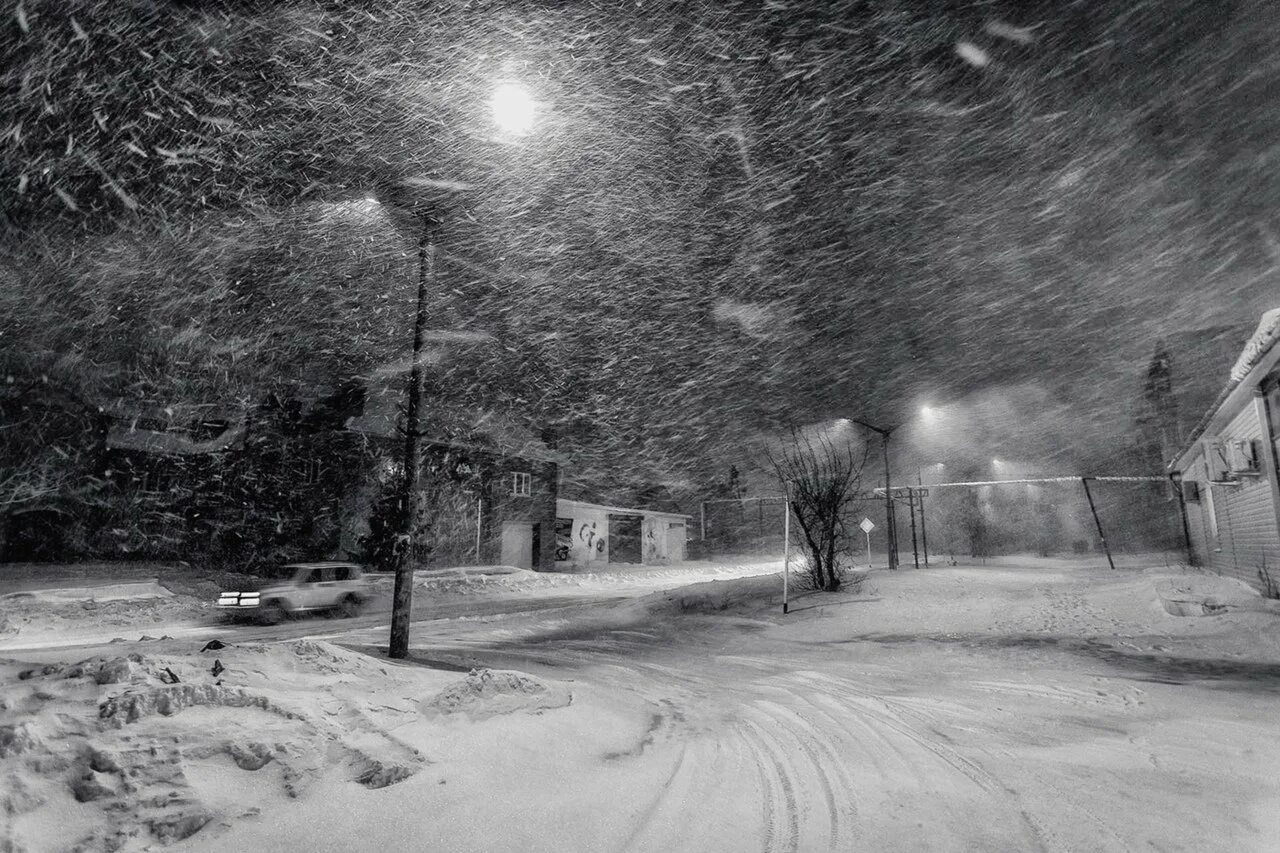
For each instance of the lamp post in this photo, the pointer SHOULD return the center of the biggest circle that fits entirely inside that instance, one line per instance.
(888, 491)
(402, 595)
(425, 202)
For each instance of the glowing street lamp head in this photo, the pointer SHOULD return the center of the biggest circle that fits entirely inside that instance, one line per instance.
(513, 108)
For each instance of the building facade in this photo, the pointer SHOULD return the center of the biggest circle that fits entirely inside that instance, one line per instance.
(1228, 468)
(591, 536)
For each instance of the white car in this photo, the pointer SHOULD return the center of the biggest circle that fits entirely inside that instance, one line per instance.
(301, 588)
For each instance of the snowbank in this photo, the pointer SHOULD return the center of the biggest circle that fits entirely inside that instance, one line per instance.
(487, 693)
(33, 616)
(108, 592)
(1209, 595)
(120, 752)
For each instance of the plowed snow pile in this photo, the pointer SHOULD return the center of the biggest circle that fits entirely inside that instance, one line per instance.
(126, 751)
(487, 693)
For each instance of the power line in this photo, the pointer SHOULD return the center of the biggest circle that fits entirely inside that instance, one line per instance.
(1046, 480)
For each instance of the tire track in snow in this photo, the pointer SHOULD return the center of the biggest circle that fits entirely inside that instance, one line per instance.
(891, 715)
(647, 823)
(812, 743)
(845, 704)
(777, 787)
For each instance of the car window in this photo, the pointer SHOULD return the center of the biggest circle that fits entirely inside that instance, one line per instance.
(312, 576)
(342, 573)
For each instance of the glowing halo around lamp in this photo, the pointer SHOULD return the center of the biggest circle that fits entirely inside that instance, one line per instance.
(512, 108)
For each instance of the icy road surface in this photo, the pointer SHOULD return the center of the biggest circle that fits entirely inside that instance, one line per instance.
(1044, 707)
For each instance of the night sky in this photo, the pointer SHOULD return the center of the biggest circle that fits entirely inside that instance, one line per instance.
(726, 217)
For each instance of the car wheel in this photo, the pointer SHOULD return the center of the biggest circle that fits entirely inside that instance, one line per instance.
(271, 613)
(349, 607)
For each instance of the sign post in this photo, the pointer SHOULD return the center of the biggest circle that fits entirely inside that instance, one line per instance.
(867, 526)
(786, 544)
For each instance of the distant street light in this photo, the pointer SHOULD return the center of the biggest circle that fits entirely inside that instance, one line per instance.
(513, 108)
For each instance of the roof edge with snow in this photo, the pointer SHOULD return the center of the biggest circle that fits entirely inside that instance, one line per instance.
(1259, 355)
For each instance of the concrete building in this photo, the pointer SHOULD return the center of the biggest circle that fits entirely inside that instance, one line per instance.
(591, 536)
(1227, 465)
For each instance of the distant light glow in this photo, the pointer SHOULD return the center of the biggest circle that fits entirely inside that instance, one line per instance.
(995, 461)
(926, 412)
(513, 108)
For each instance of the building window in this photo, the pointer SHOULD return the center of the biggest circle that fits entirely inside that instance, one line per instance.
(312, 471)
(156, 482)
(520, 484)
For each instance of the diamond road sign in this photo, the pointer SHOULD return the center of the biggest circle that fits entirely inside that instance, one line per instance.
(867, 525)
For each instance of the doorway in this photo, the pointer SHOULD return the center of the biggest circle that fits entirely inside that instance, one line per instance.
(517, 544)
(624, 538)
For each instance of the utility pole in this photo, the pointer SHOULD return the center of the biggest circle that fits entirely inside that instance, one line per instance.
(786, 545)
(1097, 521)
(402, 596)
(924, 536)
(889, 517)
(911, 506)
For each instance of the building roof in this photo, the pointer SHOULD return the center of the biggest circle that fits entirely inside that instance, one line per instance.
(619, 509)
(484, 431)
(171, 443)
(1259, 356)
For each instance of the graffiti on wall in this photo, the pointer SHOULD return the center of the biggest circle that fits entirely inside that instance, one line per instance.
(651, 549)
(564, 539)
(590, 538)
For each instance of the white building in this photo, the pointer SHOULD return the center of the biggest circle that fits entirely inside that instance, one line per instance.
(1231, 482)
(592, 535)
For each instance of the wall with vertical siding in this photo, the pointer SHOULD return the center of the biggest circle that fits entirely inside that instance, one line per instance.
(1246, 522)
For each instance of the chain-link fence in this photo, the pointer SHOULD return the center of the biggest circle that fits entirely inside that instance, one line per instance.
(1138, 516)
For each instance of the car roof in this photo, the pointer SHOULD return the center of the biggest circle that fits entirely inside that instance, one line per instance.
(321, 565)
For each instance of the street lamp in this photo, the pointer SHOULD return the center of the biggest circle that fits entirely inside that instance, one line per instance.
(888, 490)
(424, 202)
(513, 108)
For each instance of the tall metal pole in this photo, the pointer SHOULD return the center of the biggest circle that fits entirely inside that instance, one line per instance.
(924, 536)
(1093, 509)
(889, 519)
(479, 524)
(402, 596)
(786, 543)
(911, 505)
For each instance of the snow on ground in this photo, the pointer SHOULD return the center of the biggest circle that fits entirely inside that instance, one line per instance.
(68, 612)
(478, 579)
(154, 744)
(1024, 705)
(98, 610)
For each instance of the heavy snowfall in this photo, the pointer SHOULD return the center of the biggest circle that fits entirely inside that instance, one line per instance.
(772, 425)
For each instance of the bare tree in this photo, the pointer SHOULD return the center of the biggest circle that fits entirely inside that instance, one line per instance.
(824, 478)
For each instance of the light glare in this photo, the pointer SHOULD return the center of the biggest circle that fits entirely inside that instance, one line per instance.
(512, 107)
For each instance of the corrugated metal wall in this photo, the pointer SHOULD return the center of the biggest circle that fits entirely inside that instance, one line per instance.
(1246, 522)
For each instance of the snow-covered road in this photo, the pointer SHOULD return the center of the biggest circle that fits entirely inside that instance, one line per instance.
(1036, 706)
(955, 709)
